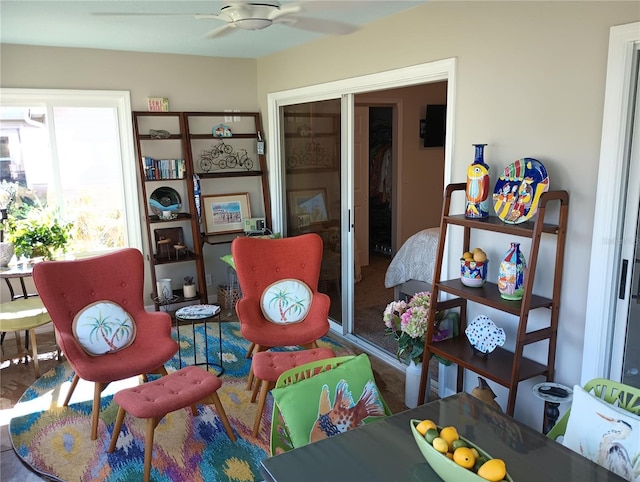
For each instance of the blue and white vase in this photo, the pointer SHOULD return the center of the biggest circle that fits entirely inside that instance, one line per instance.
(511, 274)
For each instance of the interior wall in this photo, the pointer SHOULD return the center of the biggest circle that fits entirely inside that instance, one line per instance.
(420, 170)
(524, 93)
(191, 83)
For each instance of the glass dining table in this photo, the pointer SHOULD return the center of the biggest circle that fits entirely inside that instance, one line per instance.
(385, 451)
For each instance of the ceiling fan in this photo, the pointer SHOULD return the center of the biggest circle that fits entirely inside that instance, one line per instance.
(248, 15)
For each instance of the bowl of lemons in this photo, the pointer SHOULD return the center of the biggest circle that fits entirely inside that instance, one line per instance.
(473, 268)
(454, 458)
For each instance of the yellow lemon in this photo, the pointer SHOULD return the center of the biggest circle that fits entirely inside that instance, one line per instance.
(425, 425)
(493, 470)
(440, 445)
(467, 255)
(479, 256)
(450, 434)
(464, 456)
(476, 250)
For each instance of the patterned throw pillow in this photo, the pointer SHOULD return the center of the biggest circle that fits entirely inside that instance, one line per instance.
(103, 327)
(606, 434)
(331, 402)
(286, 301)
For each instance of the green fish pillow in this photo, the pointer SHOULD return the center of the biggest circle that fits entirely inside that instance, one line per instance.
(330, 402)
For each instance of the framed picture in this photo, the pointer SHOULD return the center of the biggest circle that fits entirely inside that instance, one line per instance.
(223, 213)
(308, 206)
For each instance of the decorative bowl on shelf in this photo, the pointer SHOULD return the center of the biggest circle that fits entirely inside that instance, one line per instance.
(473, 273)
(165, 202)
(442, 465)
(484, 335)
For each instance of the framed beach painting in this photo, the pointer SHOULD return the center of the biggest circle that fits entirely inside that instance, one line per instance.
(224, 213)
(310, 204)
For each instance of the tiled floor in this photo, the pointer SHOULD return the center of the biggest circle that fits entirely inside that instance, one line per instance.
(16, 378)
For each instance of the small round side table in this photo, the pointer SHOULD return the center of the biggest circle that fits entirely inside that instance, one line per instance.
(200, 314)
(553, 395)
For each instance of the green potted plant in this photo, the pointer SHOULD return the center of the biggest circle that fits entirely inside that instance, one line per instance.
(41, 234)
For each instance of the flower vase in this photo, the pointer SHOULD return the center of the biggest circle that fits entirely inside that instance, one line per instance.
(477, 191)
(511, 274)
(412, 384)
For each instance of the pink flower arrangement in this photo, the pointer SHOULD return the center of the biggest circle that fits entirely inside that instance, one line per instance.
(407, 323)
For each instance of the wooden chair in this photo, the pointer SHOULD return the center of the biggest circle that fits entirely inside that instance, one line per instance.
(261, 262)
(68, 287)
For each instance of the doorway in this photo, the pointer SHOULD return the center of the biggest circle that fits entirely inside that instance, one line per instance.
(375, 161)
(346, 91)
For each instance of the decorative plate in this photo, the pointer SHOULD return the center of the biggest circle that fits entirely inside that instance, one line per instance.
(165, 199)
(518, 190)
(484, 335)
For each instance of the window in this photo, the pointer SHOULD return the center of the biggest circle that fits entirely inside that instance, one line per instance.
(74, 151)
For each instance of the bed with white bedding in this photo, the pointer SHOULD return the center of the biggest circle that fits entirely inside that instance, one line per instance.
(411, 269)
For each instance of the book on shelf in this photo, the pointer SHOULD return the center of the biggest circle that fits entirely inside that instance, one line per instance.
(158, 169)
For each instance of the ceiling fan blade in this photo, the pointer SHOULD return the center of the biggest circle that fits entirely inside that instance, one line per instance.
(318, 25)
(143, 14)
(288, 9)
(226, 29)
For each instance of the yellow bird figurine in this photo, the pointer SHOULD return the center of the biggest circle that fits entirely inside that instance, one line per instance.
(483, 392)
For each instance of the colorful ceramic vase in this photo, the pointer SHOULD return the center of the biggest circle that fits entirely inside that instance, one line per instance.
(477, 193)
(511, 274)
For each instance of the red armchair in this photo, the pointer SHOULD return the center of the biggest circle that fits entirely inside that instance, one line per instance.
(66, 287)
(261, 262)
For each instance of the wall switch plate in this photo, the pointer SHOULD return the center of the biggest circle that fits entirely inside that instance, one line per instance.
(228, 118)
(208, 280)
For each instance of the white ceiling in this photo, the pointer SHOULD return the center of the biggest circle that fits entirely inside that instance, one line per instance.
(74, 23)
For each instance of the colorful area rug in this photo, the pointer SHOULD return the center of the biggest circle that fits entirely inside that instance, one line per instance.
(55, 440)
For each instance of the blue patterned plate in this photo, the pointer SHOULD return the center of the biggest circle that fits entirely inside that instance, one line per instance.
(484, 335)
(518, 190)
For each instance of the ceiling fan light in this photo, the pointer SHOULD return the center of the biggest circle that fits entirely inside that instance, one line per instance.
(252, 23)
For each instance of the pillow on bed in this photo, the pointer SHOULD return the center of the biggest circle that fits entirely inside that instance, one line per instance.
(606, 434)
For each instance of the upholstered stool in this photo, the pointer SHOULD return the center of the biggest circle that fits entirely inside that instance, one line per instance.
(153, 400)
(269, 365)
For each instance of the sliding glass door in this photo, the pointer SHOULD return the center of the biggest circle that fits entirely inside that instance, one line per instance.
(312, 178)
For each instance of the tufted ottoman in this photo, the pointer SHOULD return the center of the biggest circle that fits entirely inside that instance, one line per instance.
(153, 400)
(269, 365)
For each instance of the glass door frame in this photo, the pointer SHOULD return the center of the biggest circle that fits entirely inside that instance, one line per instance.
(441, 70)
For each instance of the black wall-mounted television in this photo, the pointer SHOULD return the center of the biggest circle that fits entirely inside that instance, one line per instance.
(435, 125)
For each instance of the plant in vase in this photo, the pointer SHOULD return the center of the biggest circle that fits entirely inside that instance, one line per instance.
(41, 234)
(189, 287)
(407, 323)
